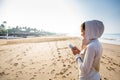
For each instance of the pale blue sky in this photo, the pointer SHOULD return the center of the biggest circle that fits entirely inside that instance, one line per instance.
(106, 10)
(63, 16)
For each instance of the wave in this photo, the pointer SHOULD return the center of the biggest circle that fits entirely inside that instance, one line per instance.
(110, 38)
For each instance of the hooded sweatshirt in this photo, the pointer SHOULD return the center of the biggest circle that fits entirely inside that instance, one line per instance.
(89, 58)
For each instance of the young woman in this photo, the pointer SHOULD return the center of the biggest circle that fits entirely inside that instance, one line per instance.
(88, 58)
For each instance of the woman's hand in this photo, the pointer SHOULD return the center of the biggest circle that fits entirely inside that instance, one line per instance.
(75, 50)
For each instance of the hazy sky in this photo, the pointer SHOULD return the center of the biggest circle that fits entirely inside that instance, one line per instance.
(64, 16)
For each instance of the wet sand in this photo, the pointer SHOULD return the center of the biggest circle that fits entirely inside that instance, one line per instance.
(50, 59)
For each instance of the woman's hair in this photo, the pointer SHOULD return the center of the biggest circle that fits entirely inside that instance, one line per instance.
(83, 26)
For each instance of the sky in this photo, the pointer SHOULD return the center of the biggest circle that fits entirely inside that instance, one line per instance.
(60, 16)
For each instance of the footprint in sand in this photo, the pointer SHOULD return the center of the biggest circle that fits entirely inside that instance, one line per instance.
(69, 66)
(24, 53)
(109, 58)
(19, 59)
(109, 62)
(102, 62)
(20, 72)
(103, 57)
(105, 78)
(63, 76)
(7, 73)
(59, 56)
(32, 63)
(62, 60)
(44, 65)
(63, 71)
(55, 77)
(41, 69)
(58, 52)
(16, 75)
(110, 68)
(17, 55)
(75, 67)
(54, 64)
(2, 73)
(35, 72)
(32, 78)
(64, 65)
(118, 56)
(52, 71)
(34, 75)
(72, 62)
(10, 60)
(116, 64)
(68, 73)
(22, 66)
(15, 64)
(57, 74)
(12, 70)
(58, 60)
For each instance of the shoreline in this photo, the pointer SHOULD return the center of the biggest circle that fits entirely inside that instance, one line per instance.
(110, 42)
(35, 40)
(45, 39)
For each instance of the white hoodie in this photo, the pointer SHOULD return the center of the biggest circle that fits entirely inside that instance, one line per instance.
(90, 63)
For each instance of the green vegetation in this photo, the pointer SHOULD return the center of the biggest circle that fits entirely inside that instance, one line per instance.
(19, 31)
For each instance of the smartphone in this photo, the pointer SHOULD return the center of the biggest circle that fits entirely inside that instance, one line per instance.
(71, 46)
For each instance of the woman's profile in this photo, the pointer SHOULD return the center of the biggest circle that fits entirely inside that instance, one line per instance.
(88, 58)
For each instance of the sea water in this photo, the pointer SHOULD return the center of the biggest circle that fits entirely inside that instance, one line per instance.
(110, 38)
(105, 38)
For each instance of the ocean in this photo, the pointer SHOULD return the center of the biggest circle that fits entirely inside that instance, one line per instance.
(110, 38)
(105, 38)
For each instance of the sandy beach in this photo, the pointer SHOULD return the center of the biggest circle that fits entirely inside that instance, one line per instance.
(50, 58)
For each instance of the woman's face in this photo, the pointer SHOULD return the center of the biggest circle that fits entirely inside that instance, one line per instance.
(82, 32)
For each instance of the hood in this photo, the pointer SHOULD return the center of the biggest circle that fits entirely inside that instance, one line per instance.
(93, 30)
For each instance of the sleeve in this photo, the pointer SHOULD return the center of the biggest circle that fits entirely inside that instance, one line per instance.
(78, 57)
(86, 65)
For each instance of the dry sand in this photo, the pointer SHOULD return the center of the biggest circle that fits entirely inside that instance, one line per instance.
(50, 59)
(110, 62)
